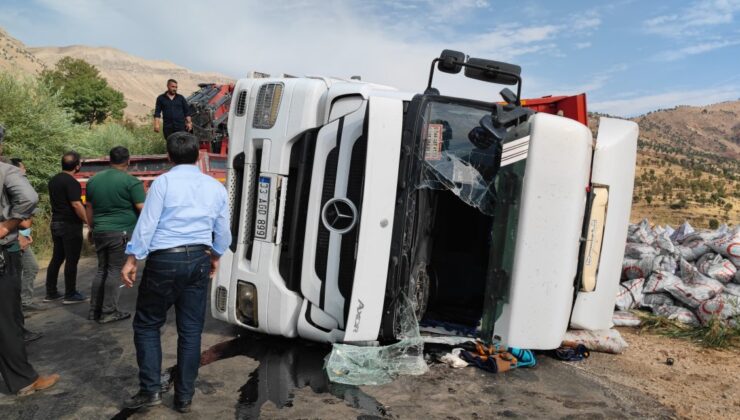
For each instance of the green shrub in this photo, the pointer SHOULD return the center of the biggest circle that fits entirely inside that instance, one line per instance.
(39, 129)
(101, 138)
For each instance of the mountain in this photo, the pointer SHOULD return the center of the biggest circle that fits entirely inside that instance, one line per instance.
(688, 165)
(139, 79)
(15, 57)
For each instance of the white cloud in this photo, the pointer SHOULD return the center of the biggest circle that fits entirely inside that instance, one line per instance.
(582, 45)
(595, 82)
(389, 42)
(672, 55)
(692, 19)
(641, 104)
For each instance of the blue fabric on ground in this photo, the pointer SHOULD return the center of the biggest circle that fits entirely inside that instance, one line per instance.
(525, 358)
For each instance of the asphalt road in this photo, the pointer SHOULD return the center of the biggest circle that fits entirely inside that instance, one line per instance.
(258, 376)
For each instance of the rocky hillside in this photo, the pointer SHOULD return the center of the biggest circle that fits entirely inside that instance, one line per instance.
(688, 165)
(139, 79)
(15, 57)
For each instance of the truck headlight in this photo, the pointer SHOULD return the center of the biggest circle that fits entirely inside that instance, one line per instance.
(267, 106)
(246, 303)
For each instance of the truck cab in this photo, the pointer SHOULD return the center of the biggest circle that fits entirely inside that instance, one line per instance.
(351, 200)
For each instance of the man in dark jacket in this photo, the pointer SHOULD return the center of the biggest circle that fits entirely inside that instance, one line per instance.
(173, 109)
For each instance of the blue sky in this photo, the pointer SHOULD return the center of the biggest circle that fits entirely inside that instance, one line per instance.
(629, 56)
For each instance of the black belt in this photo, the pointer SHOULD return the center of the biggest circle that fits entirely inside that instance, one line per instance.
(183, 248)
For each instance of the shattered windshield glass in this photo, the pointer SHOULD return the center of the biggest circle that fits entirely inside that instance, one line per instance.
(459, 155)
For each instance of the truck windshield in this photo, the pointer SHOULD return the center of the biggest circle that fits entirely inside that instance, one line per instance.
(458, 154)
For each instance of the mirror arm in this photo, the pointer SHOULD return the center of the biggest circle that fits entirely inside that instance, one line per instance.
(431, 73)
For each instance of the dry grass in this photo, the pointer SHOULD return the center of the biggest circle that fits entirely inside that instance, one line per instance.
(716, 334)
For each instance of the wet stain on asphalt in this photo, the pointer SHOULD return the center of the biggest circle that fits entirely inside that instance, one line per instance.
(124, 414)
(285, 365)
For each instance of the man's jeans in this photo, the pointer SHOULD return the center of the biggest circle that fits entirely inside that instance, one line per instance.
(180, 279)
(67, 239)
(30, 268)
(105, 291)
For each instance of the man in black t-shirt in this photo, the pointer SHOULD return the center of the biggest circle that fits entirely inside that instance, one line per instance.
(67, 217)
(173, 109)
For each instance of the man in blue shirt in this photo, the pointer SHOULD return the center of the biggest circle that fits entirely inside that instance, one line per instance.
(173, 109)
(182, 231)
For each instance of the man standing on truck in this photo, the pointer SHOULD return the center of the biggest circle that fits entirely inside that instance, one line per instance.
(67, 217)
(17, 202)
(182, 232)
(114, 201)
(173, 109)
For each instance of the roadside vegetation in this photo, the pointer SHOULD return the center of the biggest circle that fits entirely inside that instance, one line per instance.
(42, 123)
(716, 334)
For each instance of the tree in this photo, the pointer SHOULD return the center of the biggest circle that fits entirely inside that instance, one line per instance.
(84, 91)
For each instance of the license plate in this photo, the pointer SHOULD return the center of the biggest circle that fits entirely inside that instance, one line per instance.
(263, 208)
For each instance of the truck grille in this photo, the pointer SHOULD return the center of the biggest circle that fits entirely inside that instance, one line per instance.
(322, 242)
(296, 207)
(348, 254)
(355, 182)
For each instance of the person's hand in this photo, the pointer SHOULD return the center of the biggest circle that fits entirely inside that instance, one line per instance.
(128, 272)
(24, 241)
(214, 265)
(189, 126)
(90, 237)
(4, 231)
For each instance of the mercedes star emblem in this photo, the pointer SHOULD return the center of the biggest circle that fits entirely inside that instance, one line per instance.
(339, 215)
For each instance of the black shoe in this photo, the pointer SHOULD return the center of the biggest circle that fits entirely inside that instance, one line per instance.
(53, 298)
(143, 399)
(113, 317)
(77, 297)
(29, 336)
(183, 406)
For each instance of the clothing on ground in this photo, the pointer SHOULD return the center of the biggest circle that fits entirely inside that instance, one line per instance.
(112, 194)
(183, 207)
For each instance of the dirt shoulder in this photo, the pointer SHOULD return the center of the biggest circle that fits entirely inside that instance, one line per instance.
(701, 383)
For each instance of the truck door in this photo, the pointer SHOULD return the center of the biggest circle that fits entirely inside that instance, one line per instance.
(536, 281)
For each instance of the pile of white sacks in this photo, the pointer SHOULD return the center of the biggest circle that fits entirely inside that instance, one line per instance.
(684, 274)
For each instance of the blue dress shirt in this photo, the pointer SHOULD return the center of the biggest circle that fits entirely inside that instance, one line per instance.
(182, 207)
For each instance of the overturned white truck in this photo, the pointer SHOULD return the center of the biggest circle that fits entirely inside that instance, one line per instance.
(349, 199)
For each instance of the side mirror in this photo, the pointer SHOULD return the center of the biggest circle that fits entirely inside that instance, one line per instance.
(450, 61)
(492, 71)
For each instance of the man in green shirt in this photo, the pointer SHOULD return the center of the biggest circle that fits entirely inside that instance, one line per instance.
(114, 200)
